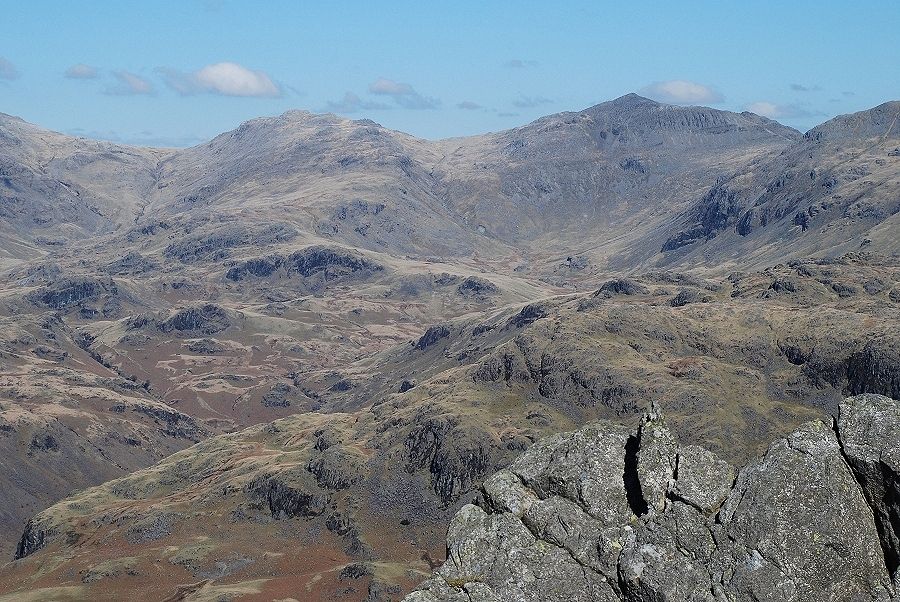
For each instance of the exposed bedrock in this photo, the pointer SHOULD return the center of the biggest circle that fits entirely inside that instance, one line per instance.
(604, 513)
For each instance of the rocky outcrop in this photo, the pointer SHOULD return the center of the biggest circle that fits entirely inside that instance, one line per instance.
(215, 245)
(869, 430)
(279, 396)
(529, 314)
(875, 369)
(337, 467)
(323, 262)
(456, 458)
(33, 539)
(432, 335)
(71, 292)
(717, 210)
(284, 500)
(204, 319)
(620, 286)
(172, 422)
(260, 267)
(477, 288)
(608, 514)
(688, 296)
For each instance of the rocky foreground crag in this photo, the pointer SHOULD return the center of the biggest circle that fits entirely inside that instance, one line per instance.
(607, 514)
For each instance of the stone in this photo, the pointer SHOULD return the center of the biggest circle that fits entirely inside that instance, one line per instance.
(806, 522)
(432, 336)
(206, 319)
(869, 431)
(703, 479)
(666, 558)
(656, 455)
(801, 527)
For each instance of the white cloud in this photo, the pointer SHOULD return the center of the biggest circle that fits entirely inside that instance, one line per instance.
(468, 105)
(403, 94)
(232, 79)
(778, 111)
(130, 84)
(352, 103)
(804, 88)
(227, 79)
(7, 69)
(528, 102)
(679, 91)
(766, 109)
(390, 87)
(82, 71)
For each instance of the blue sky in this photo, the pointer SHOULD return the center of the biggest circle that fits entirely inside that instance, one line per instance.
(179, 72)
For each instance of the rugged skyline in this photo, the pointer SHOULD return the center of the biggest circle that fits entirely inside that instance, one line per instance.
(180, 73)
(275, 364)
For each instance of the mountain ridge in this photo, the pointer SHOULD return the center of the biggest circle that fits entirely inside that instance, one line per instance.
(394, 318)
(630, 100)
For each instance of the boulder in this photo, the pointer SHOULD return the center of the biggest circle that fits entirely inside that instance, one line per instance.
(605, 513)
(869, 429)
(797, 526)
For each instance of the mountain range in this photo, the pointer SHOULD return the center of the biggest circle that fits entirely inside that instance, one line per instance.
(276, 364)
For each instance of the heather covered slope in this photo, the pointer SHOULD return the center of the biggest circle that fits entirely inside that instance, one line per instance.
(308, 265)
(106, 373)
(215, 283)
(364, 486)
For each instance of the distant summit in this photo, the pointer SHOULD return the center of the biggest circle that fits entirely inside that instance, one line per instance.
(640, 114)
(883, 120)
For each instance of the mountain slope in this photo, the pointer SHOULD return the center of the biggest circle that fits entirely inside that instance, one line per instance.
(366, 484)
(288, 270)
(605, 175)
(834, 191)
(218, 282)
(56, 190)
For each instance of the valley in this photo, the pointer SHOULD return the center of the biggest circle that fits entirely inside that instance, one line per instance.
(282, 360)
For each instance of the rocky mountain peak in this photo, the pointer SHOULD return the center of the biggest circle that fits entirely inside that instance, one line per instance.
(5, 118)
(641, 122)
(813, 519)
(629, 101)
(880, 121)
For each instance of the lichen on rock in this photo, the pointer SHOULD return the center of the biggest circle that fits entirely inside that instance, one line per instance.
(604, 513)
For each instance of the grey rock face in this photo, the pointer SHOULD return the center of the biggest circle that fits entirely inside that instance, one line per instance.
(875, 368)
(206, 319)
(703, 480)
(455, 458)
(869, 428)
(432, 336)
(621, 286)
(478, 288)
(33, 539)
(686, 297)
(327, 263)
(217, 245)
(71, 292)
(606, 514)
(799, 528)
(284, 501)
(656, 459)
